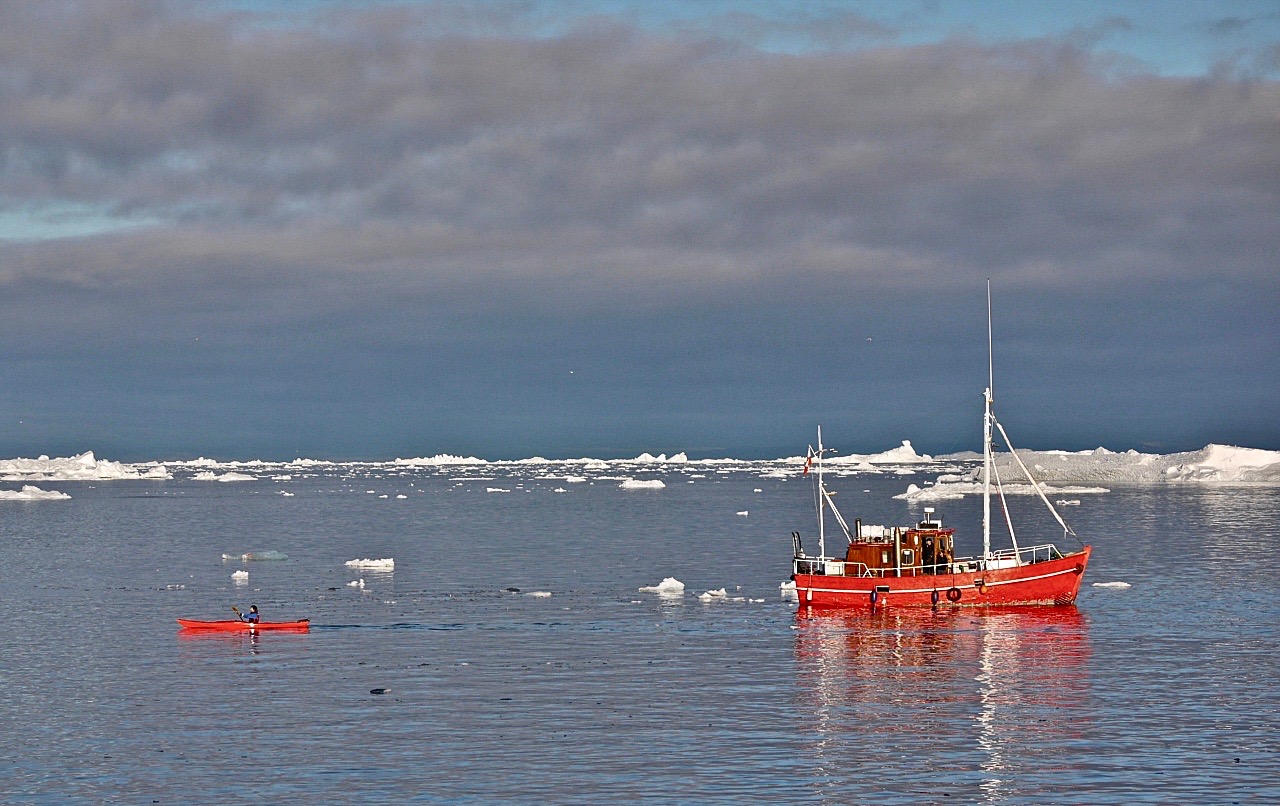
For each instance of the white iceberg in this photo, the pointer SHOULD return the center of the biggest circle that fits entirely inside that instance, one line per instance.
(647, 458)
(387, 564)
(718, 593)
(230, 475)
(1117, 585)
(83, 467)
(945, 491)
(30, 493)
(668, 586)
(642, 484)
(439, 460)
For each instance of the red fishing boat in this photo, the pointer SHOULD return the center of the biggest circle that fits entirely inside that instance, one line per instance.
(916, 565)
(235, 625)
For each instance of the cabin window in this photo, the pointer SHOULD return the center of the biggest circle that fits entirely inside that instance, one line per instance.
(884, 558)
(908, 556)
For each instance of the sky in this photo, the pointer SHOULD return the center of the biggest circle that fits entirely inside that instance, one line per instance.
(325, 229)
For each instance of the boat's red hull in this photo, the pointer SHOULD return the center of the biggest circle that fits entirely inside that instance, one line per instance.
(244, 626)
(1052, 582)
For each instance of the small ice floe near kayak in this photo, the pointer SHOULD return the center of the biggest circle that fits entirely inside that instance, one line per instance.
(744, 513)
(240, 577)
(388, 564)
(1117, 585)
(358, 583)
(257, 555)
(667, 587)
(539, 594)
(642, 484)
(32, 493)
(230, 475)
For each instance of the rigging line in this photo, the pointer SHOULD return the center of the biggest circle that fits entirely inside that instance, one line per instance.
(1004, 505)
(1035, 485)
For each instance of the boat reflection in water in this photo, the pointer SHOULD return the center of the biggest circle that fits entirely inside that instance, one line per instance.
(911, 704)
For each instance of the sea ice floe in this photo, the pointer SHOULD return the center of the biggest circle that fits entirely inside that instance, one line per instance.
(1117, 585)
(240, 577)
(539, 594)
(387, 564)
(642, 484)
(257, 555)
(1068, 502)
(718, 593)
(398, 497)
(668, 586)
(496, 490)
(30, 493)
(285, 493)
(359, 583)
(209, 475)
(959, 489)
(84, 467)
(744, 513)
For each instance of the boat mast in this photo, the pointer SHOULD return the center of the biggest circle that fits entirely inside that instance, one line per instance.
(822, 492)
(986, 440)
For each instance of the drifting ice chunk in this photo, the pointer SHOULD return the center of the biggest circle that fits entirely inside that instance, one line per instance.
(667, 587)
(230, 475)
(388, 564)
(718, 593)
(496, 490)
(359, 583)
(1117, 585)
(240, 577)
(744, 512)
(257, 555)
(30, 493)
(539, 594)
(642, 484)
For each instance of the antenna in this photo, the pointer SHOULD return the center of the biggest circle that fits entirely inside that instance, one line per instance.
(986, 441)
(991, 381)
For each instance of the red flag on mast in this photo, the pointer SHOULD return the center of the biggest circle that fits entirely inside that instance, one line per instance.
(808, 461)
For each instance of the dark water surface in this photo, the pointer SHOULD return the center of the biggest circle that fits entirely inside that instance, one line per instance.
(1166, 692)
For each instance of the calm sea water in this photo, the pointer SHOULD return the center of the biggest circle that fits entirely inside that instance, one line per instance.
(1166, 692)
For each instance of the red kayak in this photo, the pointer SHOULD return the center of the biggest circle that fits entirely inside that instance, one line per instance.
(244, 626)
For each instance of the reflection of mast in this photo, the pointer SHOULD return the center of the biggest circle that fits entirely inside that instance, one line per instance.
(999, 663)
(868, 679)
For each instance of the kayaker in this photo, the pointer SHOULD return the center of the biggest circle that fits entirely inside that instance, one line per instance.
(252, 616)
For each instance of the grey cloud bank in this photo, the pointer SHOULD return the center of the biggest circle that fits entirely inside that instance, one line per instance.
(373, 237)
